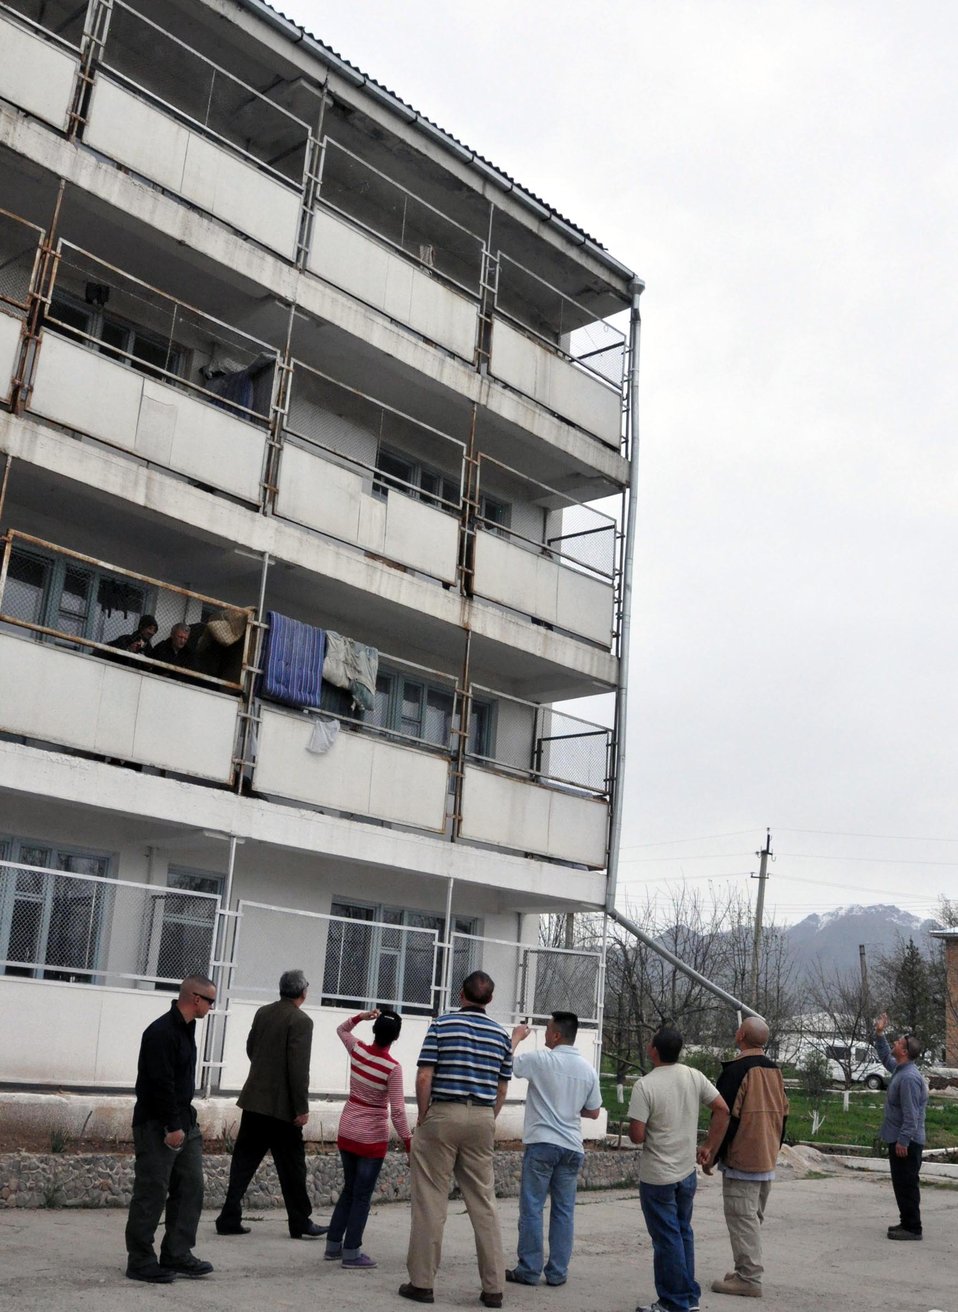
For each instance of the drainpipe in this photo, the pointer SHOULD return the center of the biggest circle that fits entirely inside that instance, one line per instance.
(621, 699)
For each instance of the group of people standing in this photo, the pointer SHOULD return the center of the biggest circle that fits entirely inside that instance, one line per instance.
(464, 1067)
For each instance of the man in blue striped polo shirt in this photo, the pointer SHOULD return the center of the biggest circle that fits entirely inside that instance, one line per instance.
(464, 1070)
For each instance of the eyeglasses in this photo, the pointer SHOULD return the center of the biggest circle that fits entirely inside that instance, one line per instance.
(204, 998)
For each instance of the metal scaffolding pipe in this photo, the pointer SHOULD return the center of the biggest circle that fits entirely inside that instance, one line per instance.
(675, 961)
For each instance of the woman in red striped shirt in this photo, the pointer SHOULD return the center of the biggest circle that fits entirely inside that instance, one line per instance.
(375, 1091)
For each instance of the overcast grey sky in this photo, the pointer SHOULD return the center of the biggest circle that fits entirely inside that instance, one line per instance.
(784, 177)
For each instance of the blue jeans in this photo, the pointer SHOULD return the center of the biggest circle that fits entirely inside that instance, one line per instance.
(667, 1209)
(548, 1171)
(352, 1210)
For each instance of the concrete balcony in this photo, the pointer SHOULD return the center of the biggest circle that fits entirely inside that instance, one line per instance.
(36, 74)
(81, 389)
(354, 261)
(546, 820)
(538, 585)
(361, 775)
(191, 164)
(337, 501)
(9, 352)
(556, 383)
(91, 704)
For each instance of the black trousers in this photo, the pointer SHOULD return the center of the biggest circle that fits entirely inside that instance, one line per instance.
(163, 1177)
(904, 1180)
(259, 1135)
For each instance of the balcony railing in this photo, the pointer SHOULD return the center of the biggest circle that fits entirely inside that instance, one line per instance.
(20, 244)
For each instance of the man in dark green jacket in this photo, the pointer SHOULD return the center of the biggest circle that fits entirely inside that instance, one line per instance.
(275, 1103)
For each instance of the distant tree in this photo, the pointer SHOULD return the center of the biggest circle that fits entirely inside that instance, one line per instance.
(814, 1075)
(912, 989)
(843, 1016)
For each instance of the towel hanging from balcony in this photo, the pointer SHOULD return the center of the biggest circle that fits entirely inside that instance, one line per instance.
(352, 665)
(292, 662)
(325, 732)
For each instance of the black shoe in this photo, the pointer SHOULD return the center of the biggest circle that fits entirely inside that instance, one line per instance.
(237, 1229)
(899, 1232)
(490, 1300)
(188, 1266)
(416, 1293)
(153, 1274)
(309, 1231)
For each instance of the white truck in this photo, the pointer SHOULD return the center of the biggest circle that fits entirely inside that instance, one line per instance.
(865, 1067)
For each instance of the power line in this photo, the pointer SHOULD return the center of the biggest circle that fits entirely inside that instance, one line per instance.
(844, 833)
(702, 838)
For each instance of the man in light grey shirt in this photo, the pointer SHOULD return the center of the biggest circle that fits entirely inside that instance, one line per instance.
(563, 1088)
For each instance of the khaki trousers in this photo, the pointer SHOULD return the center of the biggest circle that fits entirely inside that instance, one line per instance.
(454, 1139)
(744, 1203)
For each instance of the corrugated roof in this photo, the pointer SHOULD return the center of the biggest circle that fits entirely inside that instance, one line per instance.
(413, 115)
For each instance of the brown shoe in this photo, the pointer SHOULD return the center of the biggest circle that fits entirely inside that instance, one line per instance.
(734, 1284)
(490, 1300)
(416, 1293)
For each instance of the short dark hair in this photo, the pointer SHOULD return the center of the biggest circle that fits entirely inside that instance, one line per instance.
(386, 1027)
(567, 1023)
(147, 622)
(292, 984)
(478, 988)
(667, 1042)
(912, 1046)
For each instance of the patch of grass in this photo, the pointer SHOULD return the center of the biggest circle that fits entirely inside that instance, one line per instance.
(60, 1140)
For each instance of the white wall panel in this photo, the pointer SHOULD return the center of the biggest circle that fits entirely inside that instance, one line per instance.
(94, 1031)
(9, 352)
(88, 702)
(360, 774)
(537, 585)
(555, 382)
(35, 75)
(322, 495)
(533, 818)
(77, 387)
(184, 161)
(348, 258)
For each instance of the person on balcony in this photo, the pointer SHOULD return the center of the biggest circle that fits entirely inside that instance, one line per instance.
(275, 1103)
(140, 641)
(174, 650)
(375, 1091)
(168, 1166)
(563, 1088)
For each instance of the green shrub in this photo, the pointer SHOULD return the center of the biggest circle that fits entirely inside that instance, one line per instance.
(814, 1075)
(706, 1062)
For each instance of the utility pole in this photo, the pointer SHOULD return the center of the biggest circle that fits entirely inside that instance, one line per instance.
(765, 853)
(864, 969)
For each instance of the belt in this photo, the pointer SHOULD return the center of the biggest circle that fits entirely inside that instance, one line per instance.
(467, 1102)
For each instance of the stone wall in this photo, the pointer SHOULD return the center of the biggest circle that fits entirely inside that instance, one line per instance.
(105, 1179)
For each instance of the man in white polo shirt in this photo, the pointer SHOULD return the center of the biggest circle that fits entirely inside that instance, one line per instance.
(563, 1087)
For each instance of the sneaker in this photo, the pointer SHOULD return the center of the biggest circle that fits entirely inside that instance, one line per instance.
(416, 1293)
(154, 1274)
(361, 1263)
(189, 1266)
(652, 1307)
(333, 1254)
(734, 1284)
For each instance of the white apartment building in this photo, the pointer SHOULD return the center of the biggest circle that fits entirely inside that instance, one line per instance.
(280, 359)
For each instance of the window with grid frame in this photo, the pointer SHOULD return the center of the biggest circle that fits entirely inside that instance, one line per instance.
(72, 597)
(50, 927)
(181, 931)
(372, 958)
(413, 707)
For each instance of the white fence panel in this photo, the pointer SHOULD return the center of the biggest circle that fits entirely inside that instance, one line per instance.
(87, 702)
(348, 258)
(130, 130)
(9, 352)
(534, 818)
(556, 383)
(361, 774)
(77, 387)
(35, 75)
